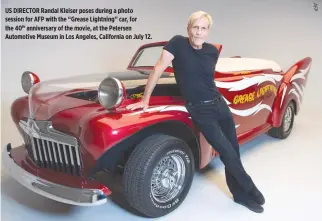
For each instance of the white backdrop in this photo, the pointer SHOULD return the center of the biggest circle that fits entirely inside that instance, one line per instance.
(285, 31)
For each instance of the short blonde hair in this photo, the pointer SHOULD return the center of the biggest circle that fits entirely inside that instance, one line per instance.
(199, 14)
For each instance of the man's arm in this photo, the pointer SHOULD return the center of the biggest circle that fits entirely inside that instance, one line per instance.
(163, 62)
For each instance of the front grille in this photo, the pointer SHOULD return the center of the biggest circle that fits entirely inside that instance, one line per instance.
(52, 149)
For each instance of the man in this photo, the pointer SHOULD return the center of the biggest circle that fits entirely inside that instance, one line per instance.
(194, 63)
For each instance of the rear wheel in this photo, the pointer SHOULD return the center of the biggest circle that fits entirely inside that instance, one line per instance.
(286, 127)
(158, 175)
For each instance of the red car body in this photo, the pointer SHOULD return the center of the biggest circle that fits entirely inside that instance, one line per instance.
(257, 96)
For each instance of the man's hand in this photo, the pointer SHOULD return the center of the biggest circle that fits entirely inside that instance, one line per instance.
(141, 104)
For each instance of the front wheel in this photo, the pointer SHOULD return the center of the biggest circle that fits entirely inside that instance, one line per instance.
(286, 127)
(158, 175)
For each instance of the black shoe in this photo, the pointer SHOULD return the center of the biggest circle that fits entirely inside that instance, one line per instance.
(257, 196)
(251, 204)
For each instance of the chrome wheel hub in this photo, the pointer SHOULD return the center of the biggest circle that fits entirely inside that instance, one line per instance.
(168, 178)
(288, 119)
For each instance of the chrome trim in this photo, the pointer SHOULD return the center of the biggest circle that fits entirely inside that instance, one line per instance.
(70, 153)
(51, 148)
(27, 81)
(39, 150)
(168, 178)
(64, 194)
(118, 91)
(45, 130)
(54, 150)
(48, 149)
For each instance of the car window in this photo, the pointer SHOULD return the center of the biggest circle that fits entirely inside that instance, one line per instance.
(148, 57)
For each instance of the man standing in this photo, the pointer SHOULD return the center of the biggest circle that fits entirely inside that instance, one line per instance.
(194, 63)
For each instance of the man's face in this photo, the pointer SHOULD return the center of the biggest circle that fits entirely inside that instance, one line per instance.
(198, 32)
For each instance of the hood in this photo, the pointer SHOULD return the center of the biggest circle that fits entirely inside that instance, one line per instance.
(50, 97)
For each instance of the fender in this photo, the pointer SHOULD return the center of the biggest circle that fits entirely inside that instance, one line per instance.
(110, 158)
(291, 89)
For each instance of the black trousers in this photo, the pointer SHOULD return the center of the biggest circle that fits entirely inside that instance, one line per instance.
(215, 121)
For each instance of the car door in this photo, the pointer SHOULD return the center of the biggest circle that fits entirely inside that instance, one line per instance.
(249, 95)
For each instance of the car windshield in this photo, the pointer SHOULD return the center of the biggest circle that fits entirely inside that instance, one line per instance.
(148, 57)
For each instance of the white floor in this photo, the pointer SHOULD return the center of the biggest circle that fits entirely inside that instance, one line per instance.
(288, 172)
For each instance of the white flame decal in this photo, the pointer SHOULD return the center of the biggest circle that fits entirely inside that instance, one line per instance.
(251, 111)
(248, 81)
(298, 89)
(301, 74)
(284, 91)
(176, 108)
(293, 91)
(149, 110)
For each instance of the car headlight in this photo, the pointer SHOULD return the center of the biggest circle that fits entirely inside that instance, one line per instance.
(110, 93)
(28, 79)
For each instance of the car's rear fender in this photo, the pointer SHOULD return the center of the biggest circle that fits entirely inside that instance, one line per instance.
(291, 89)
(119, 153)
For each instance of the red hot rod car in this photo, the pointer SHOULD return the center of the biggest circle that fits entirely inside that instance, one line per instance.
(76, 127)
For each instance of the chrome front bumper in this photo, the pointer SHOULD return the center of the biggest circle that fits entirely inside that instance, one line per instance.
(64, 194)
